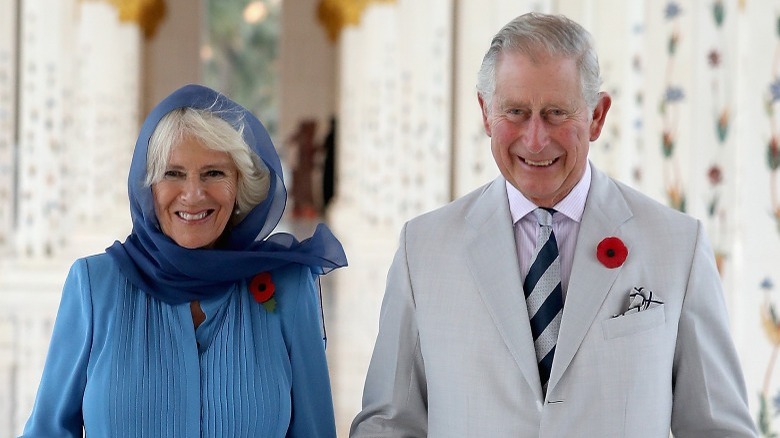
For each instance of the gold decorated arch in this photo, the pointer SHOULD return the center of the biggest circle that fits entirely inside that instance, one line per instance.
(147, 14)
(337, 14)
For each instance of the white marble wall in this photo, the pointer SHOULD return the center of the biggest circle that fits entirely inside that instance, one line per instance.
(45, 109)
(78, 98)
(395, 162)
(8, 30)
(722, 116)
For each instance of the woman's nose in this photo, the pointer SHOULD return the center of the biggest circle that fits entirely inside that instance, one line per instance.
(193, 190)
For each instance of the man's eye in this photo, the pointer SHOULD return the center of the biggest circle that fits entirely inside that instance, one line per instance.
(517, 113)
(556, 115)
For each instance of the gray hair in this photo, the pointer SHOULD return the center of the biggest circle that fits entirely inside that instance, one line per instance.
(214, 133)
(533, 34)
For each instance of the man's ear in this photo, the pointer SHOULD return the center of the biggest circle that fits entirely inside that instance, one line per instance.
(600, 115)
(485, 110)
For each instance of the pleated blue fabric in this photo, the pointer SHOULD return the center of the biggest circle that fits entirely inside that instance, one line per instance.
(123, 363)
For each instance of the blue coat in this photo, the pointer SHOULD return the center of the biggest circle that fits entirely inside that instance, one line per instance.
(122, 363)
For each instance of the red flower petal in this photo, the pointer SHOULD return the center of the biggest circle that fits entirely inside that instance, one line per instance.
(262, 287)
(611, 252)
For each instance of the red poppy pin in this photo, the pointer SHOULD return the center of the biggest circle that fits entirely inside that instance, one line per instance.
(262, 288)
(611, 252)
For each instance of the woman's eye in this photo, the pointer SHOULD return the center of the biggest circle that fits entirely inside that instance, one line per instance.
(173, 174)
(214, 173)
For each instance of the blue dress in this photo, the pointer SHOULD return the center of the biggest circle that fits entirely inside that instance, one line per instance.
(124, 364)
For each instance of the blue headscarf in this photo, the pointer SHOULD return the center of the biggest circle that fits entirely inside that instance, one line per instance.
(157, 265)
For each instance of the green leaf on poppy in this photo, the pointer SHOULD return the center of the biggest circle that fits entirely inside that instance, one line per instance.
(270, 305)
(764, 418)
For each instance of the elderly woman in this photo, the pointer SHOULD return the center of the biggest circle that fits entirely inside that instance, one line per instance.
(200, 323)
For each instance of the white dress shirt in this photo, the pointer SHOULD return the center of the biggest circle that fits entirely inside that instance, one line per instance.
(566, 225)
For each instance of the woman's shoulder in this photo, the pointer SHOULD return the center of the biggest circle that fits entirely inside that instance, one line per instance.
(96, 268)
(95, 275)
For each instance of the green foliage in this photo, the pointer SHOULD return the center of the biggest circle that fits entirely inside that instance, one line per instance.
(722, 129)
(672, 45)
(773, 155)
(764, 419)
(778, 25)
(243, 57)
(718, 12)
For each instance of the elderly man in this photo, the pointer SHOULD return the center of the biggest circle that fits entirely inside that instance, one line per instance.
(554, 301)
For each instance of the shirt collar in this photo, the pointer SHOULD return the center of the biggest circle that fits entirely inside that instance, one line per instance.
(571, 206)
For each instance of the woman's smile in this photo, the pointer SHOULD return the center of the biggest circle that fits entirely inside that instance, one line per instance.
(197, 196)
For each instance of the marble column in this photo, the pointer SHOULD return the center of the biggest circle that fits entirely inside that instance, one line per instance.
(77, 119)
(394, 163)
(8, 53)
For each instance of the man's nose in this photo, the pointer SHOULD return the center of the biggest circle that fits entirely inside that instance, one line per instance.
(535, 135)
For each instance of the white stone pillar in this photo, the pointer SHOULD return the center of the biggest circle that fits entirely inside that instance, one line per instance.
(28, 305)
(8, 44)
(78, 92)
(45, 110)
(105, 126)
(394, 163)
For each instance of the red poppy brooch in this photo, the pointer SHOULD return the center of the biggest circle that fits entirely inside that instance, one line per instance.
(262, 288)
(611, 252)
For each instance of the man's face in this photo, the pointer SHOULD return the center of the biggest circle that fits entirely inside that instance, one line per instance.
(540, 126)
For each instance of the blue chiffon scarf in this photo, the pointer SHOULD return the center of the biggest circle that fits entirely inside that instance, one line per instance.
(158, 266)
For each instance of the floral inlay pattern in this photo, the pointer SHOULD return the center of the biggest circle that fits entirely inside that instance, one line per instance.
(673, 96)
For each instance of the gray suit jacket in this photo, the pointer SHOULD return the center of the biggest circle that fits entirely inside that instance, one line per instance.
(454, 356)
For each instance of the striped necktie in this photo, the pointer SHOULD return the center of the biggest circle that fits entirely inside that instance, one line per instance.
(543, 294)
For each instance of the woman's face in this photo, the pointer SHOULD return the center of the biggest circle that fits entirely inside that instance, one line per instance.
(196, 197)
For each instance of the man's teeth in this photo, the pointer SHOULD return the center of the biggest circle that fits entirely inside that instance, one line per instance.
(539, 163)
(192, 217)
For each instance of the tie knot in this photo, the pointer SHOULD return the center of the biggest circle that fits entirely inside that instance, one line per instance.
(544, 216)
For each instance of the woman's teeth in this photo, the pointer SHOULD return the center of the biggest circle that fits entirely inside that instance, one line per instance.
(192, 217)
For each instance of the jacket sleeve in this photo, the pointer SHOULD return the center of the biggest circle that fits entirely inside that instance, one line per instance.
(312, 403)
(709, 389)
(57, 408)
(395, 393)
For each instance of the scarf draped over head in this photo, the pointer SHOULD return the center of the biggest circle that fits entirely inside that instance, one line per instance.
(157, 265)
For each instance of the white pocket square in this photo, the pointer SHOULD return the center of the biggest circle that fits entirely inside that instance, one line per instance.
(639, 299)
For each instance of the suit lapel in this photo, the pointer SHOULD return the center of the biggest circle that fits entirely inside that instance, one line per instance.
(493, 263)
(590, 281)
